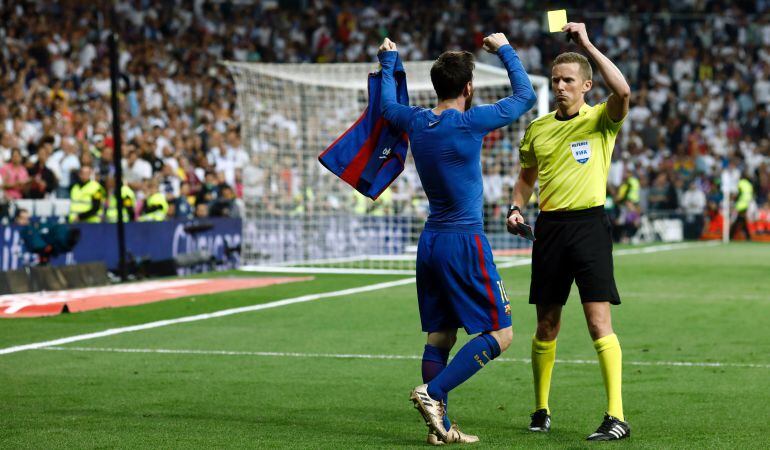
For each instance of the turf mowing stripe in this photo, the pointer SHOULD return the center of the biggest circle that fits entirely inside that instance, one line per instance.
(502, 265)
(289, 301)
(623, 252)
(195, 318)
(386, 357)
(664, 248)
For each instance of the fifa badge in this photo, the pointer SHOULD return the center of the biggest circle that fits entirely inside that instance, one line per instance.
(581, 151)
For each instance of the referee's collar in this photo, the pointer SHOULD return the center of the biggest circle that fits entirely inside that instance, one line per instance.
(583, 108)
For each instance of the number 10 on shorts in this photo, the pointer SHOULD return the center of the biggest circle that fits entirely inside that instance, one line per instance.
(504, 297)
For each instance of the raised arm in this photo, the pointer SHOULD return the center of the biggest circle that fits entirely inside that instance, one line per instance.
(394, 112)
(485, 118)
(618, 102)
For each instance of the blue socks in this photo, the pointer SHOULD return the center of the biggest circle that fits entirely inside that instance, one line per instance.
(434, 360)
(470, 359)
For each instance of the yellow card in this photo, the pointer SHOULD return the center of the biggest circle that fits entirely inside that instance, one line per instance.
(556, 20)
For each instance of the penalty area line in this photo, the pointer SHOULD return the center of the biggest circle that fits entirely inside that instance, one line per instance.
(166, 351)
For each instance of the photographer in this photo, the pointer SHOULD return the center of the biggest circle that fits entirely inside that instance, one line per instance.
(47, 240)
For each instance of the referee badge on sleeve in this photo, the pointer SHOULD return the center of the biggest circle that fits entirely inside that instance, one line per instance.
(581, 151)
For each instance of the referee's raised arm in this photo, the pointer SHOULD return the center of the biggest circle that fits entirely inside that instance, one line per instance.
(618, 102)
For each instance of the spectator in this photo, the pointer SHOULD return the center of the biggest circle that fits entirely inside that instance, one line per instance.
(209, 191)
(662, 195)
(225, 205)
(3, 202)
(182, 206)
(47, 240)
(111, 204)
(43, 181)
(169, 182)
(201, 211)
(155, 207)
(64, 163)
(136, 170)
(86, 198)
(693, 206)
(105, 166)
(15, 176)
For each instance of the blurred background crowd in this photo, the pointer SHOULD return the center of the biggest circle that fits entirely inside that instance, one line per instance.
(699, 70)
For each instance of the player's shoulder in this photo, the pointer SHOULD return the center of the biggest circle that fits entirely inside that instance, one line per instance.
(421, 112)
(417, 115)
(426, 118)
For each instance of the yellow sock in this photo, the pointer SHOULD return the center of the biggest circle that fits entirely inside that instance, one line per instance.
(543, 357)
(611, 363)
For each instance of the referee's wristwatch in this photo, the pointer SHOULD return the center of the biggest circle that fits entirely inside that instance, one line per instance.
(512, 209)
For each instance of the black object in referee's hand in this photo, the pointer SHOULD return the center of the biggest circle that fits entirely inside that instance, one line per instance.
(522, 229)
(525, 231)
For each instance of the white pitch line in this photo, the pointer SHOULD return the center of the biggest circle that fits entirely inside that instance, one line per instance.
(195, 318)
(663, 248)
(515, 263)
(387, 357)
(278, 303)
(326, 270)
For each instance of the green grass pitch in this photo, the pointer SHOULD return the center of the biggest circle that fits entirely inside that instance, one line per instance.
(280, 386)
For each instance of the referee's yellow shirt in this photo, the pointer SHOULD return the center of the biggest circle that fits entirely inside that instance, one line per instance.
(572, 157)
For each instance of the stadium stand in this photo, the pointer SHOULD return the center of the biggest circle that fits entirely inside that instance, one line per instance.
(699, 72)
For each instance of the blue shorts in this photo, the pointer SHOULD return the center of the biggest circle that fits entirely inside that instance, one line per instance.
(458, 284)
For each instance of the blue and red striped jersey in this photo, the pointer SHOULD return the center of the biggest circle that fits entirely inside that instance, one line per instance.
(371, 153)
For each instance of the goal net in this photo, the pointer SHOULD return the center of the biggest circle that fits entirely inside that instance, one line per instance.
(299, 216)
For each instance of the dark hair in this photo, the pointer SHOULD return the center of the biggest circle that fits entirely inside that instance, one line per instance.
(451, 72)
(19, 212)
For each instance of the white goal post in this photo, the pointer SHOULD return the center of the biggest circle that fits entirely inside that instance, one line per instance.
(300, 217)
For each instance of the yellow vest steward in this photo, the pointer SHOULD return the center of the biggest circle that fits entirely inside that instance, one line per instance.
(745, 194)
(157, 215)
(630, 190)
(129, 200)
(81, 200)
(572, 157)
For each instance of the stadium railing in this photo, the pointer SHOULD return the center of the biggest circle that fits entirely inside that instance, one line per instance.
(42, 208)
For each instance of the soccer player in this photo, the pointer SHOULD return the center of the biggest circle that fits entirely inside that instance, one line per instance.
(569, 151)
(457, 282)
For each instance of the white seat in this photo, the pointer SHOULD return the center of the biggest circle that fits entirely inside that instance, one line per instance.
(44, 208)
(61, 207)
(24, 203)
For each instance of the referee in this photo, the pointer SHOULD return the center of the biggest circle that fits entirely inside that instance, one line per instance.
(569, 151)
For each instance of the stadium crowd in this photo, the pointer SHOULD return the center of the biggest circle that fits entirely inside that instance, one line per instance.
(700, 73)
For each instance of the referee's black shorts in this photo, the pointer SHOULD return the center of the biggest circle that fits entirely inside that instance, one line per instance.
(573, 246)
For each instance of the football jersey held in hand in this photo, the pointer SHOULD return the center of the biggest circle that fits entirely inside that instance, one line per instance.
(371, 153)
